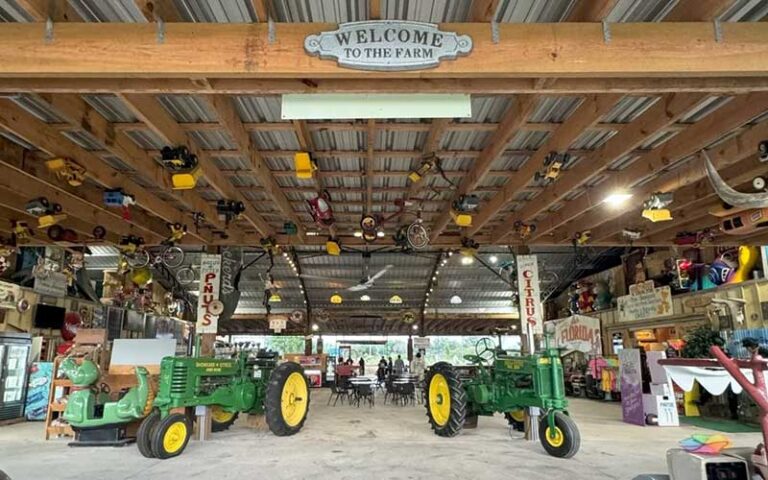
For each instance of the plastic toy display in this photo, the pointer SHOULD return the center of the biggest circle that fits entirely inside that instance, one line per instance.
(655, 208)
(229, 210)
(183, 165)
(67, 170)
(506, 384)
(47, 213)
(321, 210)
(553, 165)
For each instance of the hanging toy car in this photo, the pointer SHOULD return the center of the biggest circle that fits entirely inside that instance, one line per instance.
(655, 208)
(117, 198)
(177, 233)
(524, 230)
(553, 164)
(581, 238)
(462, 209)
(229, 210)
(427, 164)
(320, 209)
(183, 165)
(762, 151)
(21, 233)
(67, 170)
(47, 213)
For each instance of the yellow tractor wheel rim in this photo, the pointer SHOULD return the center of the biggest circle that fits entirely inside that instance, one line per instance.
(220, 415)
(517, 415)
(293, 402)
(557, 440)
(174, 437)
(439, 399)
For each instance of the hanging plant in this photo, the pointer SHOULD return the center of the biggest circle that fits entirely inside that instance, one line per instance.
(699, 341)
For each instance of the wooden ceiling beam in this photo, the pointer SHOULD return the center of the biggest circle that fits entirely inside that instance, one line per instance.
(483, 10)
(722, 85)
(354, 154)
(128, 49)
(230, 119)
(697, 10)
(667, 110)
(515, 116)
(56, 10)
(590, 10)
(80, 115)
(588, 113)
(732, 115)
(28, 127)
(148, 109)
(262, 10)
(735, 158)
(155, 10)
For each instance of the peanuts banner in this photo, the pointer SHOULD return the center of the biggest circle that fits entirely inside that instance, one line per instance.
(210, 281)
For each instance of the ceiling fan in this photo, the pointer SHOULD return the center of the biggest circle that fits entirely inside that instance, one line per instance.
(364, 284)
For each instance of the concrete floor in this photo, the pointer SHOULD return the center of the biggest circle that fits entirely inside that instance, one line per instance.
(343, 442)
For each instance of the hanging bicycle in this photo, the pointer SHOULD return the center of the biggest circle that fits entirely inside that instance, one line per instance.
(170, 256)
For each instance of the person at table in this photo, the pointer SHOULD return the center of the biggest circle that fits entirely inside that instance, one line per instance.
(362, 366)
(417, 366)
(343, 373)
(389, 367)
(399, 366)
(381, 371)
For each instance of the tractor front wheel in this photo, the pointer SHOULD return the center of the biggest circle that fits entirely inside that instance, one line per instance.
(221, 419)
(565, 441)
(287, 399)
(144, 434)
(446, 400)
(171, 435)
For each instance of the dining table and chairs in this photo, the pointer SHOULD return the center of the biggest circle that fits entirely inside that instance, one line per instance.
(399, 389)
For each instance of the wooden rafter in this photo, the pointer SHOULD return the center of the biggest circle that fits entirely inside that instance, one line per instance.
(699, 135)
(515, 116)
(56, 10)
(664, 112)
(24, 125)
(588, 113)
(230, 119)
(483, 10)
(149, 110)
(697, 10)
(590, 10)
(80, 115)
(667, 50)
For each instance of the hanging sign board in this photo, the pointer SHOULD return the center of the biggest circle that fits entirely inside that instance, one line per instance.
(231, 263)
(388, 45)
(53, 284)
(208, 298)
(631, 386)
(277, 323)
(421, 343)
(9, 295)
(579, 333)
(645, 302)
(529, 293)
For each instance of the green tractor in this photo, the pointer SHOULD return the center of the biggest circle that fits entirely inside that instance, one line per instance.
(229, 386)
(507, 384)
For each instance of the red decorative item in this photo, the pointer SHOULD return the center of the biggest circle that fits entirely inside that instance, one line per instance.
(72, 322)
(320, 209)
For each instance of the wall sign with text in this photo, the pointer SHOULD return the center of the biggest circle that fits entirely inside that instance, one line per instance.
(389, 45)
(529, 293)
(208, 297)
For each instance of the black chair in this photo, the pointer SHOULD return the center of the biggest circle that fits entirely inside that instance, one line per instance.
(364, 393)
(340, 392)
(389, 391)
(408, 393)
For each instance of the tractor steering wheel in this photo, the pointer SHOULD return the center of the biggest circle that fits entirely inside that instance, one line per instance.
(485, 350)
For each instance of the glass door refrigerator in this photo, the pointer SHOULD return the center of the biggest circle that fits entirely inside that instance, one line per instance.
(14, 358)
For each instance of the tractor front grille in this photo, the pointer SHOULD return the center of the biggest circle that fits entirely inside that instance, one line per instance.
(179, 379)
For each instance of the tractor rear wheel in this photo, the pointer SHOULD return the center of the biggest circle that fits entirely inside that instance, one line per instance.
(171, 435)
(565, 441)
(446, 400)
(287, 399)
(221, 419)
(516, 419)
(144, 434)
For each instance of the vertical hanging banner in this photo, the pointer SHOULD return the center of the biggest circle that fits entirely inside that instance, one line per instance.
(231, 263)
(208, 304)
(529, 293)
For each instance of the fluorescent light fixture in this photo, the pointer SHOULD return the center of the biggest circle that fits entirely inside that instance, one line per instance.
(323, 106)
(365, 298)
(455, 300)
(616, 199)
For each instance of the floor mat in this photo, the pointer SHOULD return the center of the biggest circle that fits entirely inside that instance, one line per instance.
(719, 424)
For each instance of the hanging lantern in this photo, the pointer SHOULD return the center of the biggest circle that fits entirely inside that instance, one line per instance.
(396, 299)
(456, 300)
(336, 299)
(275, 298)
